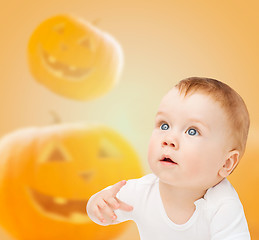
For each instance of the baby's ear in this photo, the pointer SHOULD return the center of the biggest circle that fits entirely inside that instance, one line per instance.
(230, 163)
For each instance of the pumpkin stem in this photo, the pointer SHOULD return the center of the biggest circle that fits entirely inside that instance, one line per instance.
(56, 117)
(96, 22)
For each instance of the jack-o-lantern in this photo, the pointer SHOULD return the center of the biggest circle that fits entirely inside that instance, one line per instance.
(48, 174)
(74, 58)
(245, 179)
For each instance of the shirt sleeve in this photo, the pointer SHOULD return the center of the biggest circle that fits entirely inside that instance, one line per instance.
(127, 194)
(229, 222)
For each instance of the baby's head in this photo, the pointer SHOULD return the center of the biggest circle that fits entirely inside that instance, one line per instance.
(229, 100)
(200, 133)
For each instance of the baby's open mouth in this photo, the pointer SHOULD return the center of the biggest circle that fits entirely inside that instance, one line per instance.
(167, 160)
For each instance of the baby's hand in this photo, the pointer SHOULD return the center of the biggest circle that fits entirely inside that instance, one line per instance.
(104, 203)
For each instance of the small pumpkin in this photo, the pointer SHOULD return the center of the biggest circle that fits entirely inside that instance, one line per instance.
(48, 174)
(74, 58)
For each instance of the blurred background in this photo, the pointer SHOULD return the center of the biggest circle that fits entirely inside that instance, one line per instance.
(162, 41)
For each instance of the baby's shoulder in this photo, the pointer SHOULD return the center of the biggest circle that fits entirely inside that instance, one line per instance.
(225, 212)
(137, 188)
(222, 193)
(140, 185)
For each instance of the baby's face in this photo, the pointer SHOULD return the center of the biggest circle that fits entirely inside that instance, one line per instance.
(189, 143)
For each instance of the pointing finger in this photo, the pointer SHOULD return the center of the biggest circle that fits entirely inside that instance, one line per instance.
(117, 186)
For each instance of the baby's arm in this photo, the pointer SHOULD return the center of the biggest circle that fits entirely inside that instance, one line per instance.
(101, 206)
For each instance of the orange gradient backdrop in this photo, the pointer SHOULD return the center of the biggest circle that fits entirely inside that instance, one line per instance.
(163, 42)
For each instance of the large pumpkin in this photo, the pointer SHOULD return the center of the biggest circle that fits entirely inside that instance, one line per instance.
(47, 175)
(73, 58)
(245, 179)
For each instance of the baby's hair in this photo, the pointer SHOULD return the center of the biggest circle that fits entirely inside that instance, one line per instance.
(229, 100)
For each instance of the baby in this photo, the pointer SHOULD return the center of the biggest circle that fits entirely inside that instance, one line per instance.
(199, 137)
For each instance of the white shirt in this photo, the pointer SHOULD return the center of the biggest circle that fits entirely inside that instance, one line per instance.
(218, 216)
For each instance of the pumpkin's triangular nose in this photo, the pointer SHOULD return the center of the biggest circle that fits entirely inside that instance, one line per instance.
(86, 175)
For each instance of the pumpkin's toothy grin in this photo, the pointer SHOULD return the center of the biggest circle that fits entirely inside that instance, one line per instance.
(60, 69)
(70, 209)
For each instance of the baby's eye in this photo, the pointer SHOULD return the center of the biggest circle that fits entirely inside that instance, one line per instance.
(164, 126)
(192, 132)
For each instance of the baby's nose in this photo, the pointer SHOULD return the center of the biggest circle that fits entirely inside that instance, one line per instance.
(166, 143)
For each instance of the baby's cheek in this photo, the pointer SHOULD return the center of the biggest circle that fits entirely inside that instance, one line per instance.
(151, 153)
(201, 170)
(194, 166)
(194, 170)
(152, 145)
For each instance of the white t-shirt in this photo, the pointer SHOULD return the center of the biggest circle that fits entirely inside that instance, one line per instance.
(219, 215)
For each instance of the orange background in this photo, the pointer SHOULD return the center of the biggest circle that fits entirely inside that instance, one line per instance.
(163, 42)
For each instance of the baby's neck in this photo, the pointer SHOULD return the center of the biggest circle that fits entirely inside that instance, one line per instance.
(179, 202)
(180, 195)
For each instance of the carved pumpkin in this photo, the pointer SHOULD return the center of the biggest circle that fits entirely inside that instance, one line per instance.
(245, 179)
(73, 58)
(47, 175)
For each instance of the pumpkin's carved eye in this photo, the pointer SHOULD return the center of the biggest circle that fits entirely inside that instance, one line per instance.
(108, 149)
(54, 153)
(56, 156)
